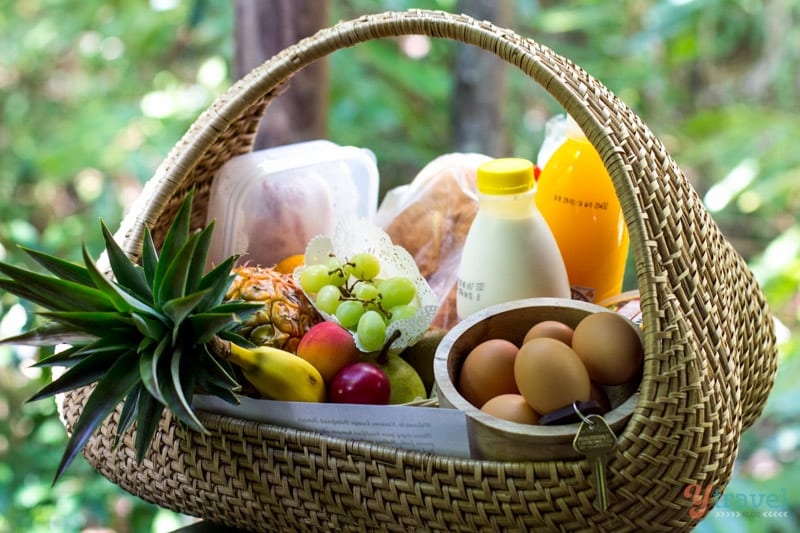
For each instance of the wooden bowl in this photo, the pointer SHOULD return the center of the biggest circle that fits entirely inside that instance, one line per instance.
(496, 439)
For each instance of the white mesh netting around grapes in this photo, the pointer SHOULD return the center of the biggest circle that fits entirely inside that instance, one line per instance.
(356, 235)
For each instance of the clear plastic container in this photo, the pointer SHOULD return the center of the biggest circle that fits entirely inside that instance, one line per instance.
(576, 196)
(270, 203)
(509, 253)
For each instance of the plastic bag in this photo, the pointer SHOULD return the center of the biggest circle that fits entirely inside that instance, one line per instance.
(554, 137)
(430, 218)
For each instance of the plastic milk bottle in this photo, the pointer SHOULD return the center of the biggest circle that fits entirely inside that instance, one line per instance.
(509, 252)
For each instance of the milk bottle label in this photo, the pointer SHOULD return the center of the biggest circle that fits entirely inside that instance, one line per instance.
(470, 290)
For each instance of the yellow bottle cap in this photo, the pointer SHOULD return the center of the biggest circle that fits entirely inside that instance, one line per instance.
(509, 175)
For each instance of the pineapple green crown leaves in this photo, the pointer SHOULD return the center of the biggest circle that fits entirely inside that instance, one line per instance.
(140, 335)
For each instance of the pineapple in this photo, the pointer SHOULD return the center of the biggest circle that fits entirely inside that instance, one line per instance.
(142, 336)
(286, 315)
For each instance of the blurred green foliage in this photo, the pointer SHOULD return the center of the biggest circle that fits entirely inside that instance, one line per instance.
(93, 95)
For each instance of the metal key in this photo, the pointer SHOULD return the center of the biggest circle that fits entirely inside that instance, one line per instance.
(595, 439)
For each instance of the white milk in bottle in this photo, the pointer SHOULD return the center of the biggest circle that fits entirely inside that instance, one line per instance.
(510, 252)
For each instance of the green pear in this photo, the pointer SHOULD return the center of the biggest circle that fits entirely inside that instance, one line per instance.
(407, 385)
(420, 355)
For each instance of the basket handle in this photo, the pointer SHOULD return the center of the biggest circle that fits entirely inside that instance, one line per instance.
(606, 121)
(703, 312)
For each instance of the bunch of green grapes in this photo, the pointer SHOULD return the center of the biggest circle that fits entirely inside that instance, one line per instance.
(351, 290)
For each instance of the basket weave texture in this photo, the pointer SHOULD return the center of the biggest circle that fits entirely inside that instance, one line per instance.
(710, 356)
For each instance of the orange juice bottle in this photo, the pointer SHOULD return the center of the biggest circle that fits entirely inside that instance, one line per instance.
(576, 197)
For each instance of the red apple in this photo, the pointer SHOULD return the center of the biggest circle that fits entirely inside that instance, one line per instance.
(360, 383)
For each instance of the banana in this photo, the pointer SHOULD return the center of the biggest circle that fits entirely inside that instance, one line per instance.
(277, 374)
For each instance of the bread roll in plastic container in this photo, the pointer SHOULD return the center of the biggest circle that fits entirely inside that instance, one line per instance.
(268, 204)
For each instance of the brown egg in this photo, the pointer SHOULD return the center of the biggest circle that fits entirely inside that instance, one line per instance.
(609, 347)
(550, 328)
(488, 371)
(550, 375)
(511, 407)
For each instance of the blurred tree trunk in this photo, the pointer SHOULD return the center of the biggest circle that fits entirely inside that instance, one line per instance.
(480, 86)
(264, 28)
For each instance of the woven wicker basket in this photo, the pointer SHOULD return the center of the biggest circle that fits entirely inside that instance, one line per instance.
(710, 355)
